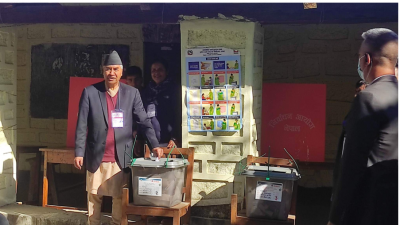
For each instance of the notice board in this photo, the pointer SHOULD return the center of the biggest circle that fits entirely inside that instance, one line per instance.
(76, 86)
(293, 117)
(213, 89)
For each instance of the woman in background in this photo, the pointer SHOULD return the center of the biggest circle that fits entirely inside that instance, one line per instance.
(161, 99)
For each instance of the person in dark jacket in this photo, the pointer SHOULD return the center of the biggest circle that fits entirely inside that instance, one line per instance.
(161, 100)
(367, 184)
(360, 85)
(107, 112)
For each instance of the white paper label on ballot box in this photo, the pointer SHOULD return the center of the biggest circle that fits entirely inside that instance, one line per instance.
(150, 186)
(269, 191)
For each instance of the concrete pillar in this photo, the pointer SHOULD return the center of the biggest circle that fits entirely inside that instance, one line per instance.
(218, 154)
(8, 90)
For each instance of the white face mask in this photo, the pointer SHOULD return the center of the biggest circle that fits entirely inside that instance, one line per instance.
(360, 72)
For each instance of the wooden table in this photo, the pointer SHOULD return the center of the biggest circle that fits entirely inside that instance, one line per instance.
(54, 155)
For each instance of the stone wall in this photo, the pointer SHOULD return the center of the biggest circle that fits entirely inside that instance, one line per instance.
(217, 154)
(323, 54)
(52, 132)
(8, 88)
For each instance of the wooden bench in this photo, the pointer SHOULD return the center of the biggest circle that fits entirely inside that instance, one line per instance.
(177, 211)
(240, 218)
(53, 156)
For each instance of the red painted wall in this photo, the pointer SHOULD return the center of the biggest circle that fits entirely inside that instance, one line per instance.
(293, 117)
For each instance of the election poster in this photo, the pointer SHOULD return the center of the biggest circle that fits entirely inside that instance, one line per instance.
(213, 89)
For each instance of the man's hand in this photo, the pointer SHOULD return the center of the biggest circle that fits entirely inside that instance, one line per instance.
(171, 144)
(78, 162)
(158, 151)
(330, 223)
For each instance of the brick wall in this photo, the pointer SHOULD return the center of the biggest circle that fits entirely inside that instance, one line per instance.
(324, 54)
(52, 132)
(8, 58)
(292, 54)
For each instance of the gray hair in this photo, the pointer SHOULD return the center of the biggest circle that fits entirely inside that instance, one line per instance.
(122, 67)
(382, 44)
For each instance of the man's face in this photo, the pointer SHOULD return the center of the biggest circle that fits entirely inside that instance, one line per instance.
(112, 74)
(134, 81)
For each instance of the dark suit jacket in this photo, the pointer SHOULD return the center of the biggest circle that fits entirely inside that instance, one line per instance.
(338, 157)
(91, 129)
(366, 187)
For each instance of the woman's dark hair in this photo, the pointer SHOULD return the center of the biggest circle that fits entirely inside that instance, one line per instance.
(133, 70)
(162, 62)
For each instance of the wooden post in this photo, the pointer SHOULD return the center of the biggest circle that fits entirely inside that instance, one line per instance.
(188, 186)
(233, 208)
(144, 219)
(45, 182)
(125, 202)
(176, 220)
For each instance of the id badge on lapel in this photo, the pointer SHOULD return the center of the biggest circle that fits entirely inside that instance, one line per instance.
(151, 110)
(117, 117)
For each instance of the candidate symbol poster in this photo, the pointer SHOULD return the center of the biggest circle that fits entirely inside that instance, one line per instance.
(213, 89)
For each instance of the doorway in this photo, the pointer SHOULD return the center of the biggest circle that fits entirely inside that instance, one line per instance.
(171, 52)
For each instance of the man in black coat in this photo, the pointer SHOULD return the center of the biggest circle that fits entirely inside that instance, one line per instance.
(104, 136)
(360, 85)
(365, 191)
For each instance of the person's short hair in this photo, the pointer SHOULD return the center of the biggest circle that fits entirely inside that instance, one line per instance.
(376, 38)
(162, 62)
(133, 71)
